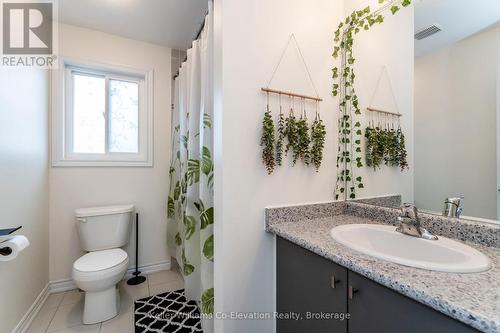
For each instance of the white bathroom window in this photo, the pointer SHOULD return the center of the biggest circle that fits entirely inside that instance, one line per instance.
(104, 116)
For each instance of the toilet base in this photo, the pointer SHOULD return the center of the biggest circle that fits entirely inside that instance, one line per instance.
(101, 305)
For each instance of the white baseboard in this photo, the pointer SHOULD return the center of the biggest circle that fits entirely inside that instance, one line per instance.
(32, 311)
(58, 286)
(150, 268)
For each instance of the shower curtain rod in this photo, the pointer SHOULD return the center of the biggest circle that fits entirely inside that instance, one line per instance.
(195, 38)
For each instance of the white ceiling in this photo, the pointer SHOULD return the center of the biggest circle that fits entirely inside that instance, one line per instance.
(458, 19)
(171, 23)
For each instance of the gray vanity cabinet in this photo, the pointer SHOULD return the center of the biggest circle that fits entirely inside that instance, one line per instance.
(375, 308)
(307, 283)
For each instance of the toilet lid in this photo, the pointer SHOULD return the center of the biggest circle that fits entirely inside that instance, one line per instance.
(100, 260)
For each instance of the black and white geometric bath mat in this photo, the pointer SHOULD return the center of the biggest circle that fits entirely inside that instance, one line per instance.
(169, 312)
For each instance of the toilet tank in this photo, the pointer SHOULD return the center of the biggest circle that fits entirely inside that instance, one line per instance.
(103, 228)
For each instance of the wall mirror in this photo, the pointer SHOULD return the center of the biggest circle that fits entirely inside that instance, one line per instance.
(457, 80)
(457, 106)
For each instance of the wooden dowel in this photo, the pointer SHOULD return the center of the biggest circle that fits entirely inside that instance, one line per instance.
(386, 112)
(287, 93)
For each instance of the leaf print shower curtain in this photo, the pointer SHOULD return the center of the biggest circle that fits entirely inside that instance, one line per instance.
(190, 201)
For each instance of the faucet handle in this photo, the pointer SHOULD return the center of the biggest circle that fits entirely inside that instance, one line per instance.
(405, 222)
(409, 223)
(409, 210)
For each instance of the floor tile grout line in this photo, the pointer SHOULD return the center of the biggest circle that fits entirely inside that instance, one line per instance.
(57, 309)
(62, 298)
(68, 327)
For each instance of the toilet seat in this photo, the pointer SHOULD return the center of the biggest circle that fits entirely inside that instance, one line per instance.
(100, 260)
(98, 265)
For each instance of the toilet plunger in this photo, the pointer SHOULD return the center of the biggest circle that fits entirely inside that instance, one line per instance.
(137, 279)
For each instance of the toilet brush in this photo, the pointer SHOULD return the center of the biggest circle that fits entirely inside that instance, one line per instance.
(137, 279)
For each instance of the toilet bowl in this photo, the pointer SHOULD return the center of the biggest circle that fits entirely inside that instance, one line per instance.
(103, 231)
(97, 273)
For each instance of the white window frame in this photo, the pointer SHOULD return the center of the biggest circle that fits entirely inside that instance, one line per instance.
(62, 116)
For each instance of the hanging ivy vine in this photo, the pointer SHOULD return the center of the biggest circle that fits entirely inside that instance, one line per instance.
(349, 130)
(402, 154)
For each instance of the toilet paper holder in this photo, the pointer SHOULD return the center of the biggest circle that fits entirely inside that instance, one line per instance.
(5, 251)
(5, 234)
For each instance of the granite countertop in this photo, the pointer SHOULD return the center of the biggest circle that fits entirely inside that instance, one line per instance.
(472, 298)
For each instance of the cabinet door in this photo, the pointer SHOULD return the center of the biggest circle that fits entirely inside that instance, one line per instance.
(309, 284)
(375, 308)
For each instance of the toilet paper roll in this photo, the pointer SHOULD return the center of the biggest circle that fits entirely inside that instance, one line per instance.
(9, 249)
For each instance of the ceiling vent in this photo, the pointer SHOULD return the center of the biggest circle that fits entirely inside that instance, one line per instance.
(427, 32)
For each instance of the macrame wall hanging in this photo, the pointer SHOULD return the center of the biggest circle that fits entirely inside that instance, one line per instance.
(293, 134)
(385, 140)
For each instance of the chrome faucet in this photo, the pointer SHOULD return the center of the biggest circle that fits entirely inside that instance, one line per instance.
(453, 207)
(409, 223)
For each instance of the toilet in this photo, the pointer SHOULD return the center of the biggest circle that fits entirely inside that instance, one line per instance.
(103, 231)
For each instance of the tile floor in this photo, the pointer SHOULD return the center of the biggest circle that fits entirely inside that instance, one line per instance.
(62, 312)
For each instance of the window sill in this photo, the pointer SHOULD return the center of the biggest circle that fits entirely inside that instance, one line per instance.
(71, 163)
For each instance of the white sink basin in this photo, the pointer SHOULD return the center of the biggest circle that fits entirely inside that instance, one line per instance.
(383, 242)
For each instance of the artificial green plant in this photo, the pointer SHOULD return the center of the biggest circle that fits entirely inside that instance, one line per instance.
(385, 146)
(301, 149)
(318, 133)
(349, 129)
(267, 141)
(280, 138)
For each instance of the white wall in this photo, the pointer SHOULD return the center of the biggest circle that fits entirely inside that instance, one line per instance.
(250, 37)
(146, 188)
(455, 125)
(24, 188)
